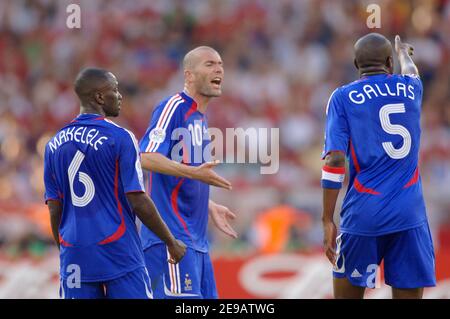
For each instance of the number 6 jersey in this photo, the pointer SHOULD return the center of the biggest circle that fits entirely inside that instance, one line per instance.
(89, 165)
(375, 121)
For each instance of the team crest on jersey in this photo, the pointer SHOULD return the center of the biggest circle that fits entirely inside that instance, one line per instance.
(187, 283)
(157, 135)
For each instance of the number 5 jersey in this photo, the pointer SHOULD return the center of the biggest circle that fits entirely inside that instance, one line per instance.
(375, 121)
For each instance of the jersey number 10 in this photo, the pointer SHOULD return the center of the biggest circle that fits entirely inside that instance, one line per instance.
(395, 129)
(80, 201)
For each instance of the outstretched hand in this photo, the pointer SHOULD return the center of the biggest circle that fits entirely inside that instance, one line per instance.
(403, 46)
(206, 174)
(220, 216)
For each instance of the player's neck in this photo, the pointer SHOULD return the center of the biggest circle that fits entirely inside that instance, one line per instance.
(89, 109)
(201, 100)
(372, 71)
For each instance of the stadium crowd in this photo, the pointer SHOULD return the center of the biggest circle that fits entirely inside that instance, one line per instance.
(282, 60)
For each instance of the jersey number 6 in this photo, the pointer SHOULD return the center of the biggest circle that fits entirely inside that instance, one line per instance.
(83, 178)
(395, 129)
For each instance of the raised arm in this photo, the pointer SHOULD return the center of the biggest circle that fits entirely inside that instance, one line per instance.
(404, 52)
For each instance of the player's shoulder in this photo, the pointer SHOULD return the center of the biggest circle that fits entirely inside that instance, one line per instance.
(170, 110)
(55, 139)
(119, 131)
(109, 124)
(51, 142)
(407, 76)
(170, 102)
(335, 95)
(409, 80)
(410, 77)
(351, 85)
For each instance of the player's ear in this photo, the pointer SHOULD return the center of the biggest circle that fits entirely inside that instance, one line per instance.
(390, 64)
(99, 98)
(188, 75)
(356, 64)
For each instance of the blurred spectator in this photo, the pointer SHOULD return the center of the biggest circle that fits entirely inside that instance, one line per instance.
(275, 229)
(283, 59)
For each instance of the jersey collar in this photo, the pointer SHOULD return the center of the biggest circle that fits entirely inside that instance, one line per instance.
(88, 117)
(189, 99)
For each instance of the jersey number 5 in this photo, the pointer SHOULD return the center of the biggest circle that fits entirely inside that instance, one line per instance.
(83, 178)
(395, 129)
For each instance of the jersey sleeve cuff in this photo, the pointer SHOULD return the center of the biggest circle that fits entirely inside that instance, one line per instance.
(153, 152)
(325, 153)
(330, 184)
(52, 199)
(135, 191)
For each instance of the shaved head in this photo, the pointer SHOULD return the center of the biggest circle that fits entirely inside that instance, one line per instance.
(194, 57)
(203, 72)
(373, 51)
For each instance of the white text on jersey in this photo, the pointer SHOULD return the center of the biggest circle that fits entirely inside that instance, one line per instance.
(381, 90)
(79, 134)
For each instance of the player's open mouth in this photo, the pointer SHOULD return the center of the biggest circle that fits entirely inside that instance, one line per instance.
(216, 82)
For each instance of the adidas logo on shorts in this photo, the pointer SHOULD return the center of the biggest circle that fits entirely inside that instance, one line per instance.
(355, 274)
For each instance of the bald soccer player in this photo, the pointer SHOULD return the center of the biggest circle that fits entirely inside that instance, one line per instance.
(175, 151)
(374, 122)
(94, 190)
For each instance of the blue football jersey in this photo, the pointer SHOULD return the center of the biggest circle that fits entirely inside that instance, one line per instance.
(90, 164)
(375, 121)
(179, 131)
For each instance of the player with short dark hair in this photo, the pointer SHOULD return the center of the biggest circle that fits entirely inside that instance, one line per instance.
(175, 151)
(93, 189)
(374, 122)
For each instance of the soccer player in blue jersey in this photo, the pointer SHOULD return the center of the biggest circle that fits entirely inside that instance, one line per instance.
(175, 151)
(375, 123)
(93, 189)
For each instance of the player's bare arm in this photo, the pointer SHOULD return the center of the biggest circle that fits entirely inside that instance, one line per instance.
(330, 195)
(220, 216)
(55, 209)
(145, 209)
(404, 52)
(158, 163)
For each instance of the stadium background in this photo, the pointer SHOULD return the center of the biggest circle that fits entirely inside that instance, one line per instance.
(282, 60)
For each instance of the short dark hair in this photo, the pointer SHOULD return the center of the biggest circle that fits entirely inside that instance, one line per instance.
(372, 49)
(89, 78)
